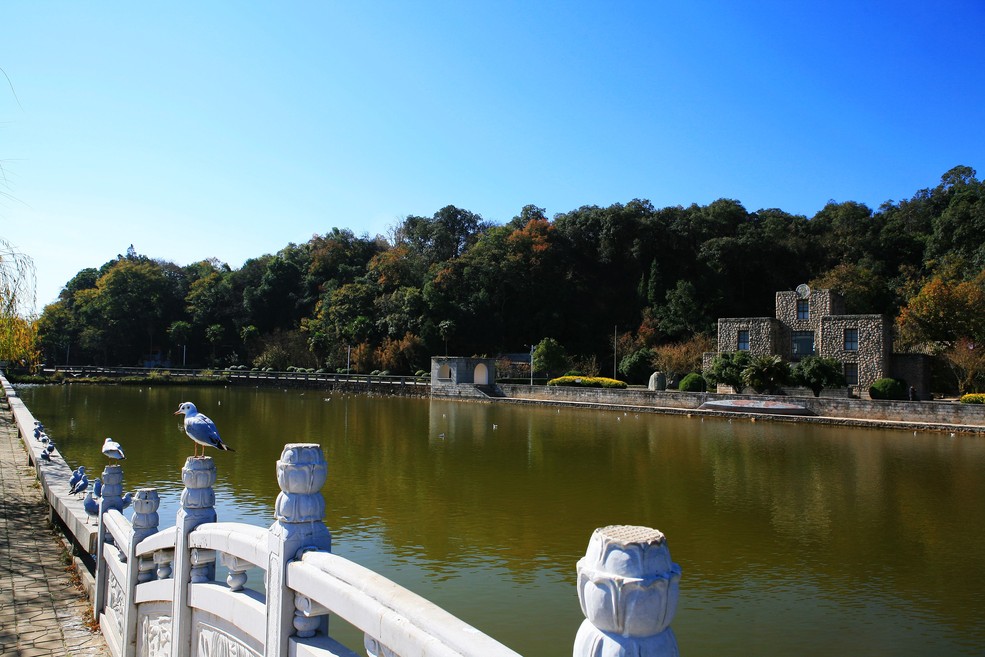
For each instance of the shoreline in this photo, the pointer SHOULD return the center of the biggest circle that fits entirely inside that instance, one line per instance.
(544, 396)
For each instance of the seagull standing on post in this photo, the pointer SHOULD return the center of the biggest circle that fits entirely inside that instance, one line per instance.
(112, 449)
(200, 429)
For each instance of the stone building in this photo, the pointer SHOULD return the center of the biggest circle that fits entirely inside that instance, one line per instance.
(810, 322)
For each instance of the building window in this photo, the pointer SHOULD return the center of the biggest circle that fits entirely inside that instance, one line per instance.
(743, 341)
(851, 374)
(803, 309)
(851, 339)
(803, 344)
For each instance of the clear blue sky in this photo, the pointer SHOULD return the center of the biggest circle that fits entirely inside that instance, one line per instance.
(229, 129)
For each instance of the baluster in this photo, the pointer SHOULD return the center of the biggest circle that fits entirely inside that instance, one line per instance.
(236, 579)
(628, 590)
(164, 559)
(202, 566)
(376, 649)
(307, 615)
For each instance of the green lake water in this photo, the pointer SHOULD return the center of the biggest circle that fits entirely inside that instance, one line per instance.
(793, 539)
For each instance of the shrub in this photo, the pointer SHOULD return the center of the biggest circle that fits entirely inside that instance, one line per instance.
(636, 366)
(973, 398)
(693, 382)
(818, 373)
(766, 373)
(888, 389)
(587, 382)
(727, 369)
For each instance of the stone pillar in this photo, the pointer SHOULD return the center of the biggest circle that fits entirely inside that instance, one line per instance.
(628, 589)
(145, 519)
(110, 498)
(197, 508)
(299, 526)
(144, 523)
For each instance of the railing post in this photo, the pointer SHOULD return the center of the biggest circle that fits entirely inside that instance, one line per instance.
(299, 512)
(628, 589)
(197, 507)
(111, 498)
(144, 523)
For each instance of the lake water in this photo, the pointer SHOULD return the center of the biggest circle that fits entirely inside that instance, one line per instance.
(793, 539)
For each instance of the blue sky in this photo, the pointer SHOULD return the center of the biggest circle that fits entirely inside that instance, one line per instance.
(229, 129)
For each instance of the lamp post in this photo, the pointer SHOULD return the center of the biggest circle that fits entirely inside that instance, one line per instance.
(531, 365)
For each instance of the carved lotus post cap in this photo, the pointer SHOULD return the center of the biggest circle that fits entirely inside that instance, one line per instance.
(300, 453)
(629, 551)
(199, 472)
(302, 469)
(146, 500)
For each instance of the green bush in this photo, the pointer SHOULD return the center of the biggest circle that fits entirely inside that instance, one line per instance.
(587, 382)
(636, 366)
(888, 389)
(973, 398)
(693, 382)
(727, 369)
(818, 373)
(766, 374)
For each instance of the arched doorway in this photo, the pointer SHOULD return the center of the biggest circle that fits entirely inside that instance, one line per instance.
(444, 372)
(481, 375)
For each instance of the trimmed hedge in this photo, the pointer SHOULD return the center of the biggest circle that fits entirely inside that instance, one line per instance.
(973, 398)
(693, 382)
(586, 382)
(888, 389)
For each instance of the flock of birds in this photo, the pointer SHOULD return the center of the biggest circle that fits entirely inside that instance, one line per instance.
(200, 428)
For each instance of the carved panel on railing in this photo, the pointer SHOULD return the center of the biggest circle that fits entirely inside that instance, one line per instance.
(213, 642)
(116, 600)
(154, 638)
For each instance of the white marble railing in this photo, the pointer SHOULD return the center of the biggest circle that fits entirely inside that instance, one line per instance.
(156, 592)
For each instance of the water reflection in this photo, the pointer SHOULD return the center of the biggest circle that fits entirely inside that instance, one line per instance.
(794, 539)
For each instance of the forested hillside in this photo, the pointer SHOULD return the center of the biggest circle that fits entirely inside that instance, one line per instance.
(453, 281)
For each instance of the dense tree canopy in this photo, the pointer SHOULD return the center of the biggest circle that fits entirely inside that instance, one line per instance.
(658, 276)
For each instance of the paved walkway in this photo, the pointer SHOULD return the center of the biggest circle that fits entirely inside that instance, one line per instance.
(41, 611)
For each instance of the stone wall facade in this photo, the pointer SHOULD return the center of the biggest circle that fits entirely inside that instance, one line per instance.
(764, 334)
(873, 346)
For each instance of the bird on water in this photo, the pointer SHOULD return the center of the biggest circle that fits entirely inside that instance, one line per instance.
(201, 429)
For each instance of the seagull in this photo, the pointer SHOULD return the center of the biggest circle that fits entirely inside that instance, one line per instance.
(91, 506)
(76, 476)
(128, 499)
(45, 456)
(81, 486)
(200, 429)
(50, 447)
(112, 449)
(97, 487)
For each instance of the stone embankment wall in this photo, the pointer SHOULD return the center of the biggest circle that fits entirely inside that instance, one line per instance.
(938, 413)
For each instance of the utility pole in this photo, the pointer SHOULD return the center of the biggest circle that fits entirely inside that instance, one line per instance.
(614, 329)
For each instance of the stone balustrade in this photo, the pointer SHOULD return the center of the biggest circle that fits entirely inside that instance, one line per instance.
(156, 593)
